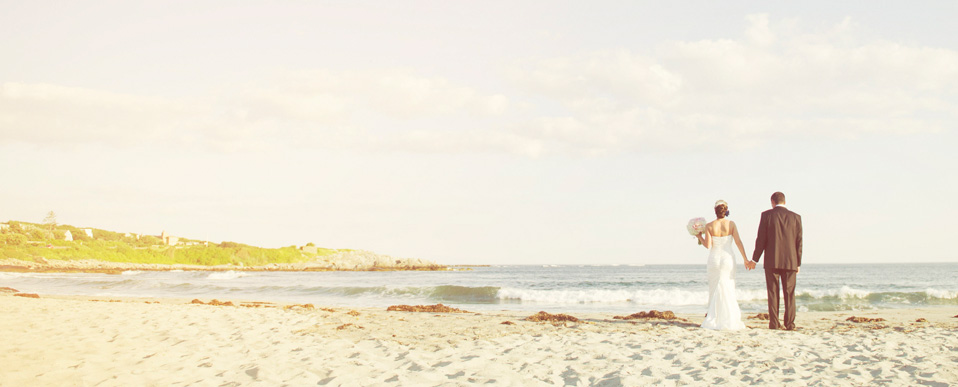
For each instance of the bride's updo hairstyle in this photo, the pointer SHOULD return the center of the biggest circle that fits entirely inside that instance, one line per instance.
(721, 209)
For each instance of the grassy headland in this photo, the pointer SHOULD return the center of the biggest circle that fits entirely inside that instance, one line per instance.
(42, 242)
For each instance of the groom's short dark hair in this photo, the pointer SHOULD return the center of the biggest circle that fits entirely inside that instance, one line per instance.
(778, 198)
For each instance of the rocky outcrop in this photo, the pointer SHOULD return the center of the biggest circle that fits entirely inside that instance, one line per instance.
(367, 260)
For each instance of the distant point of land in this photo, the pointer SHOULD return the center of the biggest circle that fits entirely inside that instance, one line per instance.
(52, 247)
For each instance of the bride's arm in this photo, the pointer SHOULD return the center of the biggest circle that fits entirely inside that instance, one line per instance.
(738, 241)
(707, 241)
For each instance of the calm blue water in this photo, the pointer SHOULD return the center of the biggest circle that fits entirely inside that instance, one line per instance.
(573, 288)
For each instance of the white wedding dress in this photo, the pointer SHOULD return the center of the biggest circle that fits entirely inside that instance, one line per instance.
(724, 313)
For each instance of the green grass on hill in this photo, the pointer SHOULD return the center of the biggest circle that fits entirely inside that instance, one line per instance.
(27, 241)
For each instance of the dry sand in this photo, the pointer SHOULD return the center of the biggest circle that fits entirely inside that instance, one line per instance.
(81, 341)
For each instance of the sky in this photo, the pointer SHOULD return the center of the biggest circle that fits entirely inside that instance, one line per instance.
(523, 132)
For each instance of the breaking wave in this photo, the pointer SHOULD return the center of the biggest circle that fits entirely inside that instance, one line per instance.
(847, 298)
(227, 275)
(569, 287)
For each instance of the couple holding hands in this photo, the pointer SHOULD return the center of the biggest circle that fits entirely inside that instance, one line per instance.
(779, 238)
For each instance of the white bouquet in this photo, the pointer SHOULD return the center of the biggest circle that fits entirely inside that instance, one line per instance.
(696, 226)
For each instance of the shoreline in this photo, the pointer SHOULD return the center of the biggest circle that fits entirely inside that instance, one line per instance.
(56, 340)
(107, 267)
(892, 318)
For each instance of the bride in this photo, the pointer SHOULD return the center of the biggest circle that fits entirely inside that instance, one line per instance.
(723, 313)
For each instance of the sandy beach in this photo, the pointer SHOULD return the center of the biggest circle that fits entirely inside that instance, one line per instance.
(84, 341)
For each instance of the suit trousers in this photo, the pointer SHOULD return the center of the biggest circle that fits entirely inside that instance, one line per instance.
(787, 279)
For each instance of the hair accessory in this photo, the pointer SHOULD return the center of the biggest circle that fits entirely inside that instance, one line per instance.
(720, 202)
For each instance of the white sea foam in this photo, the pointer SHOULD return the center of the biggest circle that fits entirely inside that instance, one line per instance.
(131, 272)
(225, 275)
(845, 292)
(750, 294)
(849, 293)
(656, 296)
(939, 293)
(673, 296)
(510, 286)
(12, 275)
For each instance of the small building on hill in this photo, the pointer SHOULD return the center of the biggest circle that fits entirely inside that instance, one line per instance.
(68, 236)
(169, 240)
(89, 232)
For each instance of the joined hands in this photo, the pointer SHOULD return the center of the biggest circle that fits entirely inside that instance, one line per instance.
(749, 265)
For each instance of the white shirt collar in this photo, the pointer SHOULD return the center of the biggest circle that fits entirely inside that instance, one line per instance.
(780, 205)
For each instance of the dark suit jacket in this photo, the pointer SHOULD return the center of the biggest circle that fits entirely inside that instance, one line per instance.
(780, 238)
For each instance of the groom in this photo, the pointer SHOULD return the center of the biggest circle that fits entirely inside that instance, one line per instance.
(780, 238)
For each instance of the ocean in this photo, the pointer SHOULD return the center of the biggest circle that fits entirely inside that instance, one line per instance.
(614, 289)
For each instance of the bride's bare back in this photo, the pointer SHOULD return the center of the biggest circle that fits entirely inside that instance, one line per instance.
(722, 228)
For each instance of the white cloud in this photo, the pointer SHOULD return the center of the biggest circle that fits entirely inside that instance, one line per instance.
(310, 108)
(324, 95)
(777, 82)
(620, 75)
(759, 32)
(47, 113)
